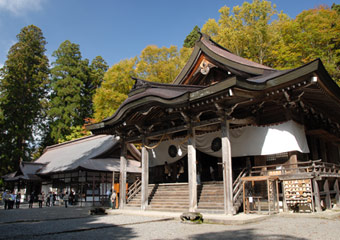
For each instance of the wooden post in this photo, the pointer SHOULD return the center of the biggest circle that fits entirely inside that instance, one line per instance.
(284, 201)
(227, 169)
(122, 178)
(244, 198)
(93, 187)
(328, 195)
(277, 195)
(269, 196)
(192, 170)
(337, 192)
(317, 196)
(145, 175)
(293, 160)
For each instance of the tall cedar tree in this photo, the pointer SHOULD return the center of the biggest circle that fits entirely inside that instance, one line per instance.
(191, 39)
(97, 69)
(73, 85)
(23, 88)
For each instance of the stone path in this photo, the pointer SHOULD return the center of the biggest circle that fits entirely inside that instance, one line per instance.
(76, 223)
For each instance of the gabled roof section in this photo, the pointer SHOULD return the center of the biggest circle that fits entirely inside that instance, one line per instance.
(82, 153)
(27, 171)
(144, 92)
(207, 49)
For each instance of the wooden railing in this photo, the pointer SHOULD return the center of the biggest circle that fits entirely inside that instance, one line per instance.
(133, 190)
(324, 168)
(238, 189)
(312, 166)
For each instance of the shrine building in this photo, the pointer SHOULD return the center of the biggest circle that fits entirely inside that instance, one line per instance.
(232, 135)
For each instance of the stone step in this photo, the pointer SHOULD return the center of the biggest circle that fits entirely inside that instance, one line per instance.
(211, 206)
(169, 207)
(177, 201)
(170, 190)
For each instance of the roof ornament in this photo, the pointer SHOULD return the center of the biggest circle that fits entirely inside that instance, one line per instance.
(139, 83)
(205, 66)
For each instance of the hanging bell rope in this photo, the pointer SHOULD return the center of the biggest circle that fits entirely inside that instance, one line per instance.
(153, 147)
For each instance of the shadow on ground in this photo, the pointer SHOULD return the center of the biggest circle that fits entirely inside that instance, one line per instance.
(244, 234)
(59, 223)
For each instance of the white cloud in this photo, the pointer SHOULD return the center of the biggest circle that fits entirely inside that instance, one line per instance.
(20, 7)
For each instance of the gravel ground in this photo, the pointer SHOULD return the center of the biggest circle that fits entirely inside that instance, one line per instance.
(76, 223)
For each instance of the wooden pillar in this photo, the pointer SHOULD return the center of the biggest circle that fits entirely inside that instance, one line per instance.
(284, 201)
(227, 169)
(317, 196)
(293, 160)
(337, 192)
(145, 175)
(328, 195)
(93, 187)
(192, 170)
(122, 179)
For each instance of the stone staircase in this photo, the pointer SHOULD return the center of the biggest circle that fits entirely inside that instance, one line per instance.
(165, 197)
(169, 197)
(210, 197)
(175, 197)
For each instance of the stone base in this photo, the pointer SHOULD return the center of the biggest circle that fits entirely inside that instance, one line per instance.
(98, 211)
(192, 217)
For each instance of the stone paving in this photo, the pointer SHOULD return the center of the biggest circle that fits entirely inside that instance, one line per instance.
(76, 223)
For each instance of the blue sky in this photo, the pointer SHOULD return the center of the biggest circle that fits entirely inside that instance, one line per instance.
(117, 29)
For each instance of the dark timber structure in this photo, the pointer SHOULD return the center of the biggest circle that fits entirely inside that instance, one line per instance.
(218, 92)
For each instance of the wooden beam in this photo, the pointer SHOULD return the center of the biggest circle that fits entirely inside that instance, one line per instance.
(192, 170)
(122, 179)
(227, 169)
(174, 130)
(145, 175)
(317, 196)
(328, 195)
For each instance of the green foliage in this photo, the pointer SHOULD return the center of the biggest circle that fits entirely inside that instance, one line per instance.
(154, 64)
(245, 31)
(75, 133)
(336, 7)
(159, 64)
(96, 71)
(312, 34)
(67, 77)
(23, 89)
(114, 89)
(74, 82)
(250, 32)
(193, 36)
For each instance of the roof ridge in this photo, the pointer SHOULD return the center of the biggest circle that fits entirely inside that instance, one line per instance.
(206, 36)
(145, 83)
(73, 141)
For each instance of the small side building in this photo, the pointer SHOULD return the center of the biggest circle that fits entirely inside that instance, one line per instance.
(88, 167)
